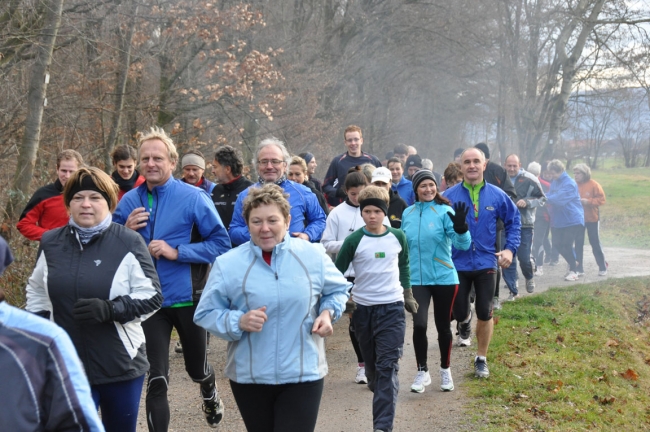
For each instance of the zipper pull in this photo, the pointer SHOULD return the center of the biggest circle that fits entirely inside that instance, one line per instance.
(276, 275)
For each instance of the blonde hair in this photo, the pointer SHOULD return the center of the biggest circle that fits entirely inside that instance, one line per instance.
(367, 169)
(102, 180)
(374, 192)
(297, 160)
(156, 133)
(268, 194)
(585, 170)
(556, 166)
(69, 154)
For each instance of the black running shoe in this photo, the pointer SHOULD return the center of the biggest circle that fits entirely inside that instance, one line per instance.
(213, 410)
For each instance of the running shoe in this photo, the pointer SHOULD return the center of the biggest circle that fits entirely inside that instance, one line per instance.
(178, 348)
(539, 271)
(496, 303)
(465, 332)
(422, 379)
(481, 368)
(213, 410)
(572, 276)
(513, 297)
(530, 285)
(602, 273)
(580, 273)
(361, 375)
(446, 381)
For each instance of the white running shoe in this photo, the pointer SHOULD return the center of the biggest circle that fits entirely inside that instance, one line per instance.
(539, 271)
(464, 342)
(572, 276)
(422, 379)
(446, 381)
(602, 273)
(361, 375)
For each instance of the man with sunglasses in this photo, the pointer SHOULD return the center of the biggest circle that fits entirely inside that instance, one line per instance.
(335, 177)
(307, 216)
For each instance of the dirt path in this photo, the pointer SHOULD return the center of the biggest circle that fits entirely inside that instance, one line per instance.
(346, 406)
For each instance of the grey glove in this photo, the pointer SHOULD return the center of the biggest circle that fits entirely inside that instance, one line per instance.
(409, 302)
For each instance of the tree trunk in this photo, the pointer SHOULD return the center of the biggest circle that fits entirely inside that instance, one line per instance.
(120, 88)
(35, 104)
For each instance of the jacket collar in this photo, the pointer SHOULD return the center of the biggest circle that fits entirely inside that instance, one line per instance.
(283, 245)
(161, 189)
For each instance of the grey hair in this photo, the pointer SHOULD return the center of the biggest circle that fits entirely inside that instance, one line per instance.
(556, 165)
(584, 169)
(534, 168)
(427, 164)
(275, 142)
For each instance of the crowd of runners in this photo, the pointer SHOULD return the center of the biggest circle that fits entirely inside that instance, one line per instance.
(268, 262)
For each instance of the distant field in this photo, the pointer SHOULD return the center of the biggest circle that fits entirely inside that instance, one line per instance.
(625, 218)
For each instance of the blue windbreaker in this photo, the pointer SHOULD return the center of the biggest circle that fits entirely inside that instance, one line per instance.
(185, 217)
(430, 234)
(405, 190)
(299, 285)
(493, 204)
(306, 213)
(563, 201)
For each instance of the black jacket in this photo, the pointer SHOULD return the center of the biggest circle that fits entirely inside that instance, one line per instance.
(114, 265)
(498, 176)
(395, 209)
(319, 195)
(225, 196)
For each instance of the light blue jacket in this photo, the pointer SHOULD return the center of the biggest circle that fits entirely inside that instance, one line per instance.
(300, 283)
(430, 234)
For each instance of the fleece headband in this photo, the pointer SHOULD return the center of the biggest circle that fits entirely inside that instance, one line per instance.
(87, 183)
(193, 159)
(377, 202)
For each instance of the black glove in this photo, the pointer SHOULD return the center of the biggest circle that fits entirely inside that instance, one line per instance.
(409, 302)
(93, 311)
(460, 218)
(340, 193)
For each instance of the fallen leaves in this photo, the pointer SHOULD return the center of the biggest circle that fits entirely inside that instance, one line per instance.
(611, 343)
(630, 375)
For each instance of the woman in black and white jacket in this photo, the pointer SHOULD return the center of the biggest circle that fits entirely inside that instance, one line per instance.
(96, 279)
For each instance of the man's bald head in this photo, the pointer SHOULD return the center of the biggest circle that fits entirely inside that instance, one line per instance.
(513, 165)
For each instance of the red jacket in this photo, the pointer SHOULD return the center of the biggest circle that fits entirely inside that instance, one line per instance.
(44, 211)
(592, 192)
(137, 183)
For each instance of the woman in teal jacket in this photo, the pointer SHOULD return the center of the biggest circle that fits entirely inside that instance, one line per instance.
(431, 227)
(274, 300)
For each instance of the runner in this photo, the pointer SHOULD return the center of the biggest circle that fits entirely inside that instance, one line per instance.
(95, 279)
(274, 300)
(342, 221)
(431, 227)
(227, 168)
(381, 177)
(477, 266)
(45, 209)
(307, 216)
(125, 175)
(338, 169)
(298, 172)
(193, 167)
(400, 184)
(382, 291)
(184, 235)
(310, 160)
(542, 226)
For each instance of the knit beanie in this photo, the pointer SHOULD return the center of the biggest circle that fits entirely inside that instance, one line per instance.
(420, 176)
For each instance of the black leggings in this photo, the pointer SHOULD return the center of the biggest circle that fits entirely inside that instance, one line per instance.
(443, 297)
(158, 330)
(596, 247)
(278, 408)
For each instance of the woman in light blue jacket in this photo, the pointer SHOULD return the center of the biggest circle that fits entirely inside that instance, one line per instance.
(431, 227)
(274, 300)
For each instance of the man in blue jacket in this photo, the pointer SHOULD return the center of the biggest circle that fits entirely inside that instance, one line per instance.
(307, 216)
(185, 235)
(478, 265)
(567, 215)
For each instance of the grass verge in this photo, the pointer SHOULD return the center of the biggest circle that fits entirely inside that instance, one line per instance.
(624, 217)
(570, 359)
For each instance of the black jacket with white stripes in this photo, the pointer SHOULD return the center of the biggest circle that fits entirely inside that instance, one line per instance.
(114, 265)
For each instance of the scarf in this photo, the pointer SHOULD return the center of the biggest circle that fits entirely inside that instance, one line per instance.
(86, 234)
(125, 185)
(277, 182)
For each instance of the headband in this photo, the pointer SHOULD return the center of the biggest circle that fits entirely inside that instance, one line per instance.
(308, 157)
(193, 159)
(87, 183)
(377, 202)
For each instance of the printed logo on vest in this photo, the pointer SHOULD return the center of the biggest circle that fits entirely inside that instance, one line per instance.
(380, 255)
(490, 208)
(97, 263)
